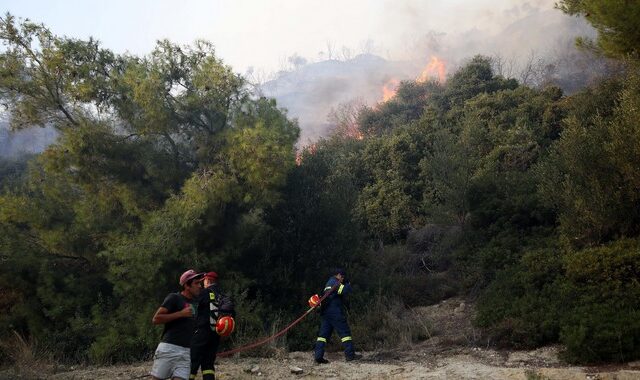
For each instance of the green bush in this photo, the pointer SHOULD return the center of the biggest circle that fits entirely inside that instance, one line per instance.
(604, 322)
(522, 307)
(589, 300)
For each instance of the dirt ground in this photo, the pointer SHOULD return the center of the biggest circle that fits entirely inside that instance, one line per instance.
(452, 352)
(462, 364)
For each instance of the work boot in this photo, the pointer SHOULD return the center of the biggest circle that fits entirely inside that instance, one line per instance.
(353, 357)
(322, 361)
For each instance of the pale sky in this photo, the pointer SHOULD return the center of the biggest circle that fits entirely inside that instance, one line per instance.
(263, 33)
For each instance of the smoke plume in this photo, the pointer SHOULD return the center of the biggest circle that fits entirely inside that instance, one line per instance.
(532, 42)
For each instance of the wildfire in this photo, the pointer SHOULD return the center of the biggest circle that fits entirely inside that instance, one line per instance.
(389, 89)
(310, 149)
(358, 135)
(349, 131)
(436, 69)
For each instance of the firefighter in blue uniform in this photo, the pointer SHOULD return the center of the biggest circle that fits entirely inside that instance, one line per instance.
(333, 317)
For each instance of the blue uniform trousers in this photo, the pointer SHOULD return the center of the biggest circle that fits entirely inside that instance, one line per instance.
(338, 322)
(204, 347)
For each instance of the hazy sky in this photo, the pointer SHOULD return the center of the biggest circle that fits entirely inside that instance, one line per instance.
(263, 33)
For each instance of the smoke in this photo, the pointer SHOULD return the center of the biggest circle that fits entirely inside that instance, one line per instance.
(334, 52)
(532, 42)
(14, 144)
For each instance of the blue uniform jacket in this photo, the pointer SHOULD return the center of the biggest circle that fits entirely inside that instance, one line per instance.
(333, 304)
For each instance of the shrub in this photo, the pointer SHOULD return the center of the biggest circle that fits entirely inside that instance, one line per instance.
(604, 322)
(523, 306)
(588, 300)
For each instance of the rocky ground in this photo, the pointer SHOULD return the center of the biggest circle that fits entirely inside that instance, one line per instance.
(457, 364)
(452, 352)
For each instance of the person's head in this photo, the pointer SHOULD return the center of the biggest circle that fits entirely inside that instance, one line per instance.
(210, 278)
(191, 282)
(339, 273)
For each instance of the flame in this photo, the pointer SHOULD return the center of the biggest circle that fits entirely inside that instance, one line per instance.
(354, 133)
(311, 149)
(436, 69)
(389, 89)
(351, 131)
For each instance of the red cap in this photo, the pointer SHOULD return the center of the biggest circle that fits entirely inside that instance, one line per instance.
(211, 276)
(190, 275)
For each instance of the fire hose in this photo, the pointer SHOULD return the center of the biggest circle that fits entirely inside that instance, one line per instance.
(272, 337)
(279, 333)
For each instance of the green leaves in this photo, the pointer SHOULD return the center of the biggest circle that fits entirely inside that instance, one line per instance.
(160, 160)
(167, 162)
(591, 166)
(616, 22)
(388, 204)
(603, 323)
(48, 80)
(447, 171)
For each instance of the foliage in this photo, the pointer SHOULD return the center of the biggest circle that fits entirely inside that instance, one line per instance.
(159, 158)
(389, 202)
(534, 290)
(602, 324)
(407, 105)
(616, 22)
(12, 170)
(592, 166)
(479, 185)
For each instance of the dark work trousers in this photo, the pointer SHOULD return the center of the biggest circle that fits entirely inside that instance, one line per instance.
(338, 322)
(204, 346)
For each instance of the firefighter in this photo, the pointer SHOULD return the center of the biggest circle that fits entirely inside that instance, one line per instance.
(212, 304)
(333, 317)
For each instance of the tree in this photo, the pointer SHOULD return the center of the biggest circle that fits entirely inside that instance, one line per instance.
(47, 80)
(591, 166)
(407, 105)
(447, 171)
(159, 159)
(389, 202)
(616, 22)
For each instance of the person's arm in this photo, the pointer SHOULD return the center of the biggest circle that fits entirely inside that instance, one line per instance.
(163, 316)
(166, 313)
(331, 286)
(344, 288)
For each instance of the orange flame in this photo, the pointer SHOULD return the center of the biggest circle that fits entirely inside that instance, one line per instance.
(389, 89)
(436, 69)
(349, 131)
(310, 149)
(355, 133)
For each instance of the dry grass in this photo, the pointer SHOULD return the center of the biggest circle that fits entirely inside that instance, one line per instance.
(29, 360)
(450, 322)
(388, 324)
